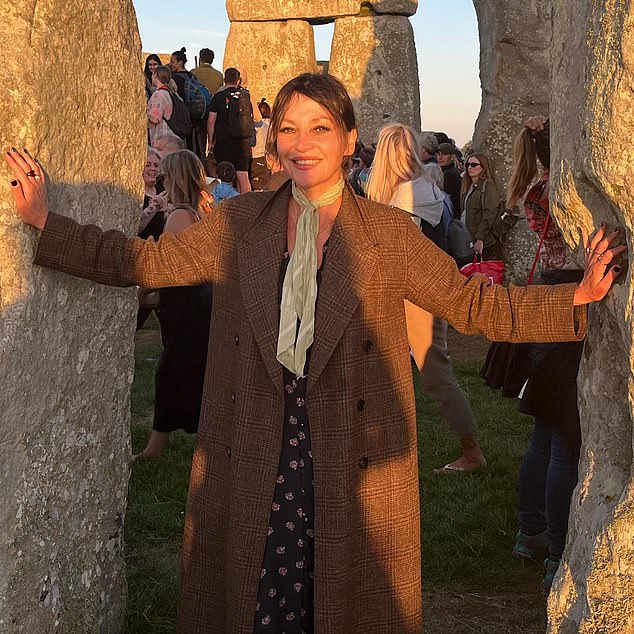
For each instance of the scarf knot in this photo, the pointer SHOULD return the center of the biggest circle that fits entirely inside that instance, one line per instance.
(299, 290)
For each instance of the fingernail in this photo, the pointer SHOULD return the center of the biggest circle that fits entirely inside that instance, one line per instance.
(13, 149)
(14, 183)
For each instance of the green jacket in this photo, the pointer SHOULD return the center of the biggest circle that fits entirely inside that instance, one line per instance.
(482, 210)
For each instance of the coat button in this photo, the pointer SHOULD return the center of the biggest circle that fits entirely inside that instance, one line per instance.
(229, 451)
(367, 346)
(233, 397)
(237, 340)
(363, 463)
(360, 405)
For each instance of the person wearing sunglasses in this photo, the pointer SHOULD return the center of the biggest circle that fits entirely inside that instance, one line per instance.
(479, 204)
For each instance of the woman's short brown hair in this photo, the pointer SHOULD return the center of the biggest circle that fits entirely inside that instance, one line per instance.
(326, 90)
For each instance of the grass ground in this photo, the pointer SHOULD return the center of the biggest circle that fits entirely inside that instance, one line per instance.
(468, 522)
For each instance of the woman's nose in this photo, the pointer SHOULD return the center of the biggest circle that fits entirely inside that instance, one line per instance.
(302, 141)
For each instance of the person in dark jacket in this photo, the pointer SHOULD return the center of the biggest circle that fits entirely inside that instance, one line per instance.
(452, 183)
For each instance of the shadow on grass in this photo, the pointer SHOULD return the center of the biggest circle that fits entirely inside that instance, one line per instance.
(468, 522)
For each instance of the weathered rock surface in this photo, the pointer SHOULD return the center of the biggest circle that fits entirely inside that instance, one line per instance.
(592, 119)
(375, 58)
(66, 345)
(515, 42)
(271, 53)
(319, 10)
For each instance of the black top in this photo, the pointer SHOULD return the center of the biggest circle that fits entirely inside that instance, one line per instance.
(452, 184)
(179, 79)
(220, 105)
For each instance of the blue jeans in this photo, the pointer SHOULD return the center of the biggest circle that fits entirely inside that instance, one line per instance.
(548, 476)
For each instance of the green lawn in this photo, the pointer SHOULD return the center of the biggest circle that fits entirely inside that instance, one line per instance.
(468, 523)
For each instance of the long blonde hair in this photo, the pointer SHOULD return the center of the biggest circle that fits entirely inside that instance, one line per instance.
(396, 161)
(184, 178)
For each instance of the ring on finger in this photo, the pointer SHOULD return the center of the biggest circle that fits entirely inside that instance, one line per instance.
(588, 249)
(31, 174)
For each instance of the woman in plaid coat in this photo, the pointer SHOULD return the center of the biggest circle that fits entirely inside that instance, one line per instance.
(308, 377)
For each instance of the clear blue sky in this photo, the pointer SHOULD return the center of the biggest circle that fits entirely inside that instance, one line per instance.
(446, 42)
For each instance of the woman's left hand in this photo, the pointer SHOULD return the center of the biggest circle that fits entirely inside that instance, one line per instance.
(599, 275)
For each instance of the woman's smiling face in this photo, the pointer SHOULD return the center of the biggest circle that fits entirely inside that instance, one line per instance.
(311, 147)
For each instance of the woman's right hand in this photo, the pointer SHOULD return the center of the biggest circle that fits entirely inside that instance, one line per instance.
(28, 187)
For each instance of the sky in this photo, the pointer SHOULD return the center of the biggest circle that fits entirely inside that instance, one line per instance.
(445, 31)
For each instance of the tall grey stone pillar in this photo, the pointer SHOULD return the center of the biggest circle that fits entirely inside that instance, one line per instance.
(592, 119)
(271, 53)
(515, 38)
(66, 345)
(375, 58)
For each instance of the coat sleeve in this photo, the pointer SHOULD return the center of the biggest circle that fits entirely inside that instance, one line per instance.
(110, 257)
(489, 201)
(472, 306)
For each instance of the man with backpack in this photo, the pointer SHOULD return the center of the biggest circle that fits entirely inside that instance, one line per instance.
(230, 130)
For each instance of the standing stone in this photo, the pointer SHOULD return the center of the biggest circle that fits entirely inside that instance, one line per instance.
(317, 10)
(375, 58)
(592, 115)
(66, 345)
(515, 39)
(271, 53)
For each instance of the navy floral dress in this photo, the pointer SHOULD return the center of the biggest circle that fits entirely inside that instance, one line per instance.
(285, 594)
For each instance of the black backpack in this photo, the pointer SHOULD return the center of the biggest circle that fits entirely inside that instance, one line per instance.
(180, 122)
(196, 96)
(239, 113)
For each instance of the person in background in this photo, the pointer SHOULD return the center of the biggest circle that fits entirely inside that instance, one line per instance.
(152, 62)
(178, 60)
(260, 171)
(548, 471)
(211, 78)
(226, 142)
(429, 147)
(446, 157)
(222, 188)
(168, 144)
(360, 176)
(206, 73)
(400, 179)
(151, 223)
(479, 201)
(184, 313)
(160, 106)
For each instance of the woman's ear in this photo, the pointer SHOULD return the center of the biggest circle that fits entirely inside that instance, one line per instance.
(351, 142)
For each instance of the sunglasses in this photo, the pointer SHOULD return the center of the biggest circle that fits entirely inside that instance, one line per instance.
(474, 164)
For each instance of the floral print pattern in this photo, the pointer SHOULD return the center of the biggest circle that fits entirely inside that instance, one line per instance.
(285, 594)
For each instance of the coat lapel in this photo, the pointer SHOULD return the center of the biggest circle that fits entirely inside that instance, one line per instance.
(350, 263)
(259, 260)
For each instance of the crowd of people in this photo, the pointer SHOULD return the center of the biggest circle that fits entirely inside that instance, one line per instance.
(300, 384)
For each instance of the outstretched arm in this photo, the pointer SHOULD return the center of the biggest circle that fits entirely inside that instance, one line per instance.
(110, 257)
(533, 313)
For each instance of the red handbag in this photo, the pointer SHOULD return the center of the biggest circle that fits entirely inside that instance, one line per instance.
(493, 269)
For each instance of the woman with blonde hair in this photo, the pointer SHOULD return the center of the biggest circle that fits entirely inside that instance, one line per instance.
(184, 314)
(399, 178)
(480, 206)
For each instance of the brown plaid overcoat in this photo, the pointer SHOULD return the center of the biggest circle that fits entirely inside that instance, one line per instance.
(359, 396)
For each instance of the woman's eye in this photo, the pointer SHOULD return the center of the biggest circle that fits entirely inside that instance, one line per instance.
(286, 130)
(322, 128)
